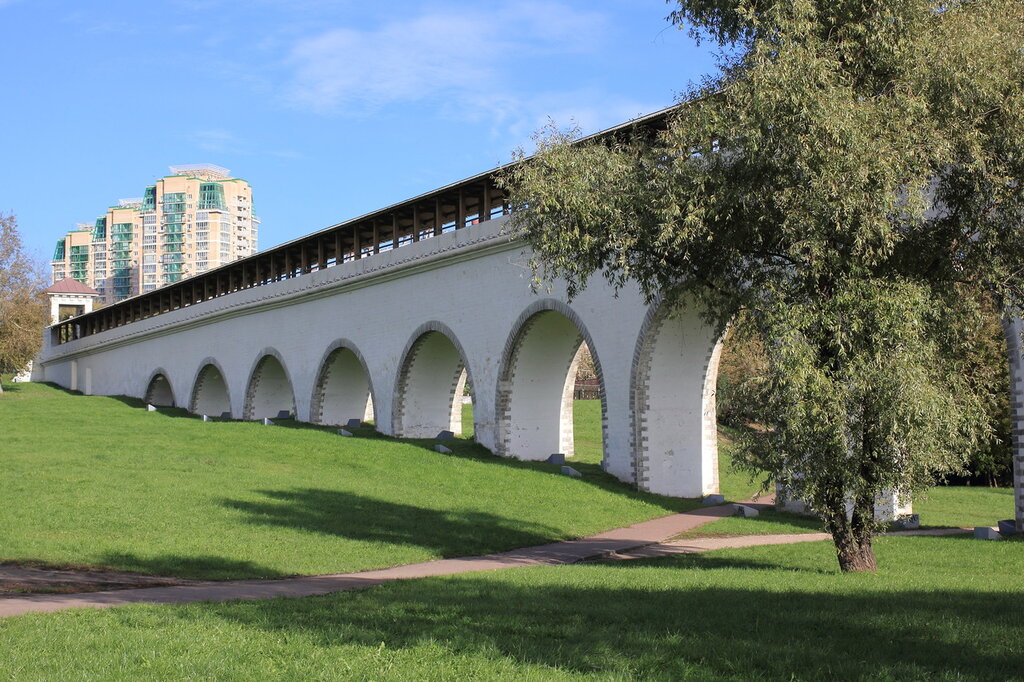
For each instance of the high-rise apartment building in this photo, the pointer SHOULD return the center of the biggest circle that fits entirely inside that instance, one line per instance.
(193, 220)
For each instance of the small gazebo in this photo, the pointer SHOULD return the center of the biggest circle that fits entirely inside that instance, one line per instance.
(70, 298)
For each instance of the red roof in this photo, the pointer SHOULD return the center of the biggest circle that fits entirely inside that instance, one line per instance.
(70, 286)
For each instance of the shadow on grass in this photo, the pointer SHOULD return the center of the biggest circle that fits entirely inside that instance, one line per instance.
(463, 448)
(691, 632)
(446, 533)
(176, 412)
(58, 387)
(181, 566)
(592, 474)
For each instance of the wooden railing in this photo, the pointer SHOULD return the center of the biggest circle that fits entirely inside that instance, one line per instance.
(459, 205)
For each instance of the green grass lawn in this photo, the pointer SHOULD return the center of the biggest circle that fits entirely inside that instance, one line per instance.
(94, 480)
(938, 609)
(586, 417)
(99, 481)
(965, 506)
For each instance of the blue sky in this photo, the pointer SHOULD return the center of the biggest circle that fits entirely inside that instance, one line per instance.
(329, 109)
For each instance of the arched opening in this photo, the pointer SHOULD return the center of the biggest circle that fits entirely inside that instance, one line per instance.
(676, 431)
(210, 393)
(269, 393)
(537, 387)
(159, 392)
(431, 383)
(587, 409)
(342, 390)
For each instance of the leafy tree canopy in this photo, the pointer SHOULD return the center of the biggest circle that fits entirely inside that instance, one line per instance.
(851, 179)
(23, 309)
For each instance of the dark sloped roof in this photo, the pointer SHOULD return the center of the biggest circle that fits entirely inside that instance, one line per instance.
(70, 286)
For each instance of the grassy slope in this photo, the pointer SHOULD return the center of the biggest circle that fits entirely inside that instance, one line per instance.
(965, 506)
(91, 480)
(940, 608)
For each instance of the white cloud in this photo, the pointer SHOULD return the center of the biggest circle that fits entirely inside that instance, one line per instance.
(431, 57)
(460, 65)
(420, 59)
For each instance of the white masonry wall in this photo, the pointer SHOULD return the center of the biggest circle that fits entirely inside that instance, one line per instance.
(470, 286)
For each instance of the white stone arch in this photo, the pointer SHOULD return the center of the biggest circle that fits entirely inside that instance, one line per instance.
(343, 388)
(430, 382)
(534, 397)
(211, 394)
(672, 395)
(269, 391)
(159, 391)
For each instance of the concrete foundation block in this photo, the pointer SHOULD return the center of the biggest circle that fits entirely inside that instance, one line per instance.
(353, 423)
(745, 511)
(557, 458)
(793, 507)
(571, 473)
(150, 408)
(225, 415)
(1007, 527)
(442, 449)
(284, 414)
(445, 435)
(267, 422)
(206, 418)
(986, 533)
(907, 522)
(343, 432)
(713, 499)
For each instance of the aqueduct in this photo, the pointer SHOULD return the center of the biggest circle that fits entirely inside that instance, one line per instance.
(387, 316)
(395, 335)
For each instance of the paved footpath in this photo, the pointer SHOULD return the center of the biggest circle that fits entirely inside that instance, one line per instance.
(646, 539)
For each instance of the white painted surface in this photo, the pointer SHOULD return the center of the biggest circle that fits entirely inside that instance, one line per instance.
(473, 282)
(344, 390)
(426, 401)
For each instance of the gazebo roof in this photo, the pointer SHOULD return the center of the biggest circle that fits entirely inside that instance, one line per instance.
(70, 286)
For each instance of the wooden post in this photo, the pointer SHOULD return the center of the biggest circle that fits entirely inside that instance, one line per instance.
(485, 208)
(415, 222)
(438, 217)
(376, 236)
(460, 211)
(338, 257)
(357, 246)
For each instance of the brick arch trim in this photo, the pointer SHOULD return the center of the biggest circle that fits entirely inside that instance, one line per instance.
(203, 364)
(508, 361)
(398, 396)
(316, 399)
(658, 311)
(160, 371)
(250, 386)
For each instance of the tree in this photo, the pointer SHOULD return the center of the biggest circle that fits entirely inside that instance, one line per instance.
(850, 182)
(23, 307)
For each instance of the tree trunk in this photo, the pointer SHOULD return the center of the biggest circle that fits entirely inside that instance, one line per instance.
(852, 535)
(854, 555)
